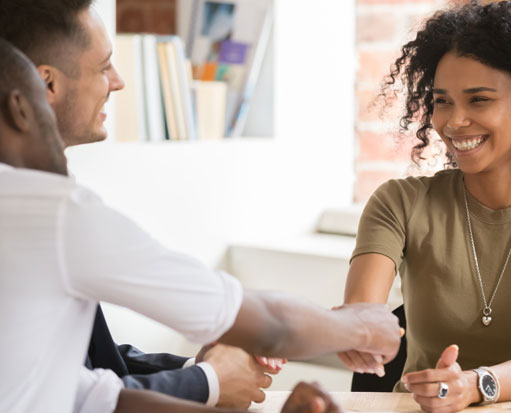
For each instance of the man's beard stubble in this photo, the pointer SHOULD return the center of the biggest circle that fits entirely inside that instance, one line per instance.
(72, 132)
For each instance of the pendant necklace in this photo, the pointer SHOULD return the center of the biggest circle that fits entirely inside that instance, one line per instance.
(486, 319)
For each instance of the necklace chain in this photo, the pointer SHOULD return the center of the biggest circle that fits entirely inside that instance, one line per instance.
(487, 305)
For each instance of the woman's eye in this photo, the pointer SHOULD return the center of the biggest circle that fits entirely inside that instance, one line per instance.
(477, 99)
(440, 101)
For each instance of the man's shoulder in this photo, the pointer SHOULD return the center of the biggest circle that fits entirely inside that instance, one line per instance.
(31, 183)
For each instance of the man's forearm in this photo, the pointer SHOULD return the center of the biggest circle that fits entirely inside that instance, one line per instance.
(278, 325)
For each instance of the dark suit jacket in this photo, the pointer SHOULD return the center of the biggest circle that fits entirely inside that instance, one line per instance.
(159, 372)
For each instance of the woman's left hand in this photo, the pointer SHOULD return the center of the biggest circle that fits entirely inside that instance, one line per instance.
(459, 387)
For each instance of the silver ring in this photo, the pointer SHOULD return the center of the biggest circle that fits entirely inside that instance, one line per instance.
(443, 390)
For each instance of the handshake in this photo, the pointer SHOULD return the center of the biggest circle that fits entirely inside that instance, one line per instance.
(383, 338)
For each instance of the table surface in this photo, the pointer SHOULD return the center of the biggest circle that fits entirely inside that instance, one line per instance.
(368, 402)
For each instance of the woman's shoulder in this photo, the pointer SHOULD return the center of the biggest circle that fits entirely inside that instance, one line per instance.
(404, 193)
(417, 184)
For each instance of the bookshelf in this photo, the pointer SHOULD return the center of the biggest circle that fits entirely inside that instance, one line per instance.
(231, 55)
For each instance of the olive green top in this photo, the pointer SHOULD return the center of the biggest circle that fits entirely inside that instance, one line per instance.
(421, 224)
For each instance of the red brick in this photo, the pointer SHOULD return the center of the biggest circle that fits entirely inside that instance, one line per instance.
(375, 65)
(131, 19)
(151, 16)
(368, 181)
(162, 20)
(377, 27)
(383, 147)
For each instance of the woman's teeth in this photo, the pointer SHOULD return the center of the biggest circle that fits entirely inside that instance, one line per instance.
(468, 144)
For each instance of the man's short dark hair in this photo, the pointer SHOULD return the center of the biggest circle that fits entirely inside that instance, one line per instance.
(44, 29)
(15, 72)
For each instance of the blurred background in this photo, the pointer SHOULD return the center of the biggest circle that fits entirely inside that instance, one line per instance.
(276, 203)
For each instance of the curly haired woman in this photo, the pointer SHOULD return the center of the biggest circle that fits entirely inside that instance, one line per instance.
(449, 235)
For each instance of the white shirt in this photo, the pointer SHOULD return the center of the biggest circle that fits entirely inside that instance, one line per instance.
(98, 391)
(62, 251)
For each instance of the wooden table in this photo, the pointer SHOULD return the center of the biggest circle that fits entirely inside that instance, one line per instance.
(368, 402)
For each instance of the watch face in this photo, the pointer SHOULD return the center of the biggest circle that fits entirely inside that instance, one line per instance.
(489, 386)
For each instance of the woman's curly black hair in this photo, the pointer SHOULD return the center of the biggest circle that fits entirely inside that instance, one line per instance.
(475, 30)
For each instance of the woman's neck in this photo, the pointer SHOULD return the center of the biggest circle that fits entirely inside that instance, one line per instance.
(491, 189)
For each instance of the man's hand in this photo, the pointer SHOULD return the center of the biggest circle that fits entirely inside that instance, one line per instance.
(361, 362)
(382, 337)
(310, 398)
(240, 376)
(425, 384)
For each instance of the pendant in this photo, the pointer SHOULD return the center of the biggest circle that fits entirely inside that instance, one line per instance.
(486, 316)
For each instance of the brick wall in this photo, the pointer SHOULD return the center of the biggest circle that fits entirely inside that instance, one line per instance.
(146, 16)
(383, 26)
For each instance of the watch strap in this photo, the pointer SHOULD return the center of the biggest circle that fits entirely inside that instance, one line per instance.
(481, 372)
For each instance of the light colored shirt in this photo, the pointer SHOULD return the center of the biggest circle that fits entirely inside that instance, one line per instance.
(98, 391)
(211, 377)
(61, 251)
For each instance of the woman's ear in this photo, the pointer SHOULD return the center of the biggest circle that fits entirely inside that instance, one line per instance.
(49, 75)
(20, 113)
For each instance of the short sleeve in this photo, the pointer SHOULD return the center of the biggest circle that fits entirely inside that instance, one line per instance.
(383, 224)
(107, 257)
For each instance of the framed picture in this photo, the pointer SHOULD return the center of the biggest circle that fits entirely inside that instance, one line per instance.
(227, 42)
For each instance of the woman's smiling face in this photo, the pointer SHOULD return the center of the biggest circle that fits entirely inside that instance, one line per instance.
(472, 112)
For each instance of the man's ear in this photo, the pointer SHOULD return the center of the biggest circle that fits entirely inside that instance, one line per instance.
(49, 75)
(19, 111)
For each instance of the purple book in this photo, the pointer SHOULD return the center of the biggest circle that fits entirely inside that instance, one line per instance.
(232, 52)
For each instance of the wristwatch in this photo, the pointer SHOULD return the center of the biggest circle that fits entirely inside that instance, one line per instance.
(488, 385)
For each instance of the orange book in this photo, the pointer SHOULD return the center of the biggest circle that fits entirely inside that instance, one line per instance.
(209, 71)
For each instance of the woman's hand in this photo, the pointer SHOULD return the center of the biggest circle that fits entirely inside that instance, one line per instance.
(361, 362)
(273, 365)
(426, 385)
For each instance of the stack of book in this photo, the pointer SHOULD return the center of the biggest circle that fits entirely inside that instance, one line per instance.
(157, 102)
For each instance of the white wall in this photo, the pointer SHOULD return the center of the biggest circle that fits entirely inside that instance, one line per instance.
(200, 197)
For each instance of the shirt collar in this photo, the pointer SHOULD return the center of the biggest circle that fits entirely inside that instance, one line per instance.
(4, 167)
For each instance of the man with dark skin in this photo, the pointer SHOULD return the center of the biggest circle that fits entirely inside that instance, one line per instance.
(29, 139)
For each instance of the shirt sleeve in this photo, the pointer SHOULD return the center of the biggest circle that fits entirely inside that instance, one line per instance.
(213, 383)
(383, 224)
(98, 391)
(107, 257)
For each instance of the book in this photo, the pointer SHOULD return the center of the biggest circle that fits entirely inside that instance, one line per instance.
(152, 88)
(210, 101)
(130, 119)
(185, 87)
(167, 92)
(176, 87)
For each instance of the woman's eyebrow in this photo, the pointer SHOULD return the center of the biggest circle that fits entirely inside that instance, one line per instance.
(437, 91)
(479, 89)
